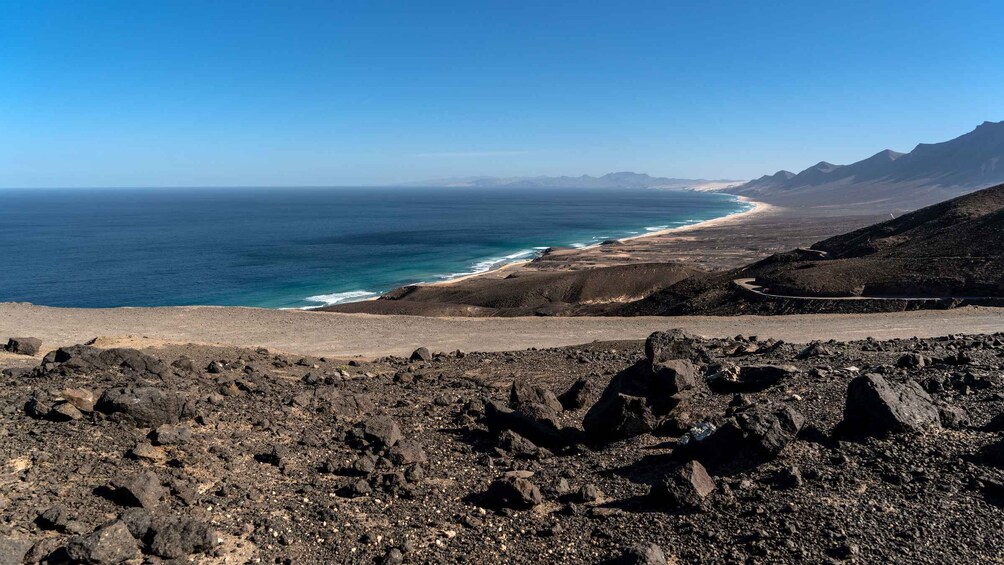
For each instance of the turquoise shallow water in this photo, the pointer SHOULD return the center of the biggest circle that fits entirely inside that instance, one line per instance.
(299, 247)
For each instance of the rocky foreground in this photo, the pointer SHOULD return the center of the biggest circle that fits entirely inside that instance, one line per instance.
(677, 449)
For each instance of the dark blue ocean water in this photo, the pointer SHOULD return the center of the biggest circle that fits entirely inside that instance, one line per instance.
(298, 247)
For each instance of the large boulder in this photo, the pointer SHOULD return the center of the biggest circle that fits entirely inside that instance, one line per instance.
(535, 422)
(748, 439)
(674, 344)
(146, 407)
(23, 345)
(878, 408)
(522, 393)
(638, 399)
(85, 358)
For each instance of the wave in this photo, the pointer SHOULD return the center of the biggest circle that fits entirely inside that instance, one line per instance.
(341, 297)
(486, 265)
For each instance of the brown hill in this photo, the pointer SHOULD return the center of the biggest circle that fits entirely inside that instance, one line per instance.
(527, 293)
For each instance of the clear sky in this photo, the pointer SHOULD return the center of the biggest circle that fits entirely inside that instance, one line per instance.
(175, 93)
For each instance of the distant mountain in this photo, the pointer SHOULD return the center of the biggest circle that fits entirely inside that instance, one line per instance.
(930, 173)
(611, 180)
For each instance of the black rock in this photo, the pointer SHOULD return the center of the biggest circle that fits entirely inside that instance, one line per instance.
(642, 554)
(513, 492)
(381, 431)
(748, 439)
(536, 422)
(408, 452)
(685, 487)
(638, 399)
(144, 490)
(147, 407)
(521, 393)
(108, 544)
(582, 393)
(953, 417)
(877, 408)
(421, 354)
(517, 445)
(175, 538)
(23, 345)
(674, 344)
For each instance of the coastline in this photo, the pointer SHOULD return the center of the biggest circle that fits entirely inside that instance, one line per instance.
(756, 208)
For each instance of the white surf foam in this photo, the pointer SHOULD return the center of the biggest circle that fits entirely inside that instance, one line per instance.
(341, 297)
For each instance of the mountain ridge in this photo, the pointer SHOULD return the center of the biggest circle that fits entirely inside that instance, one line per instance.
(931, 172)
(621, 179)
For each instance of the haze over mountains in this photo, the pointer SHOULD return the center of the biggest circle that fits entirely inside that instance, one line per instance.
(887, 180)
(610, 180)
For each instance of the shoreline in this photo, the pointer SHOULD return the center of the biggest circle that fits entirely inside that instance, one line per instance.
(756, 208)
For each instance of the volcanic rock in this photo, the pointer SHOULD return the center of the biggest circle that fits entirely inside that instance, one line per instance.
(536, 422)
(685, 487)
(521, 393)
(749, 438)
(513, 492)
(144, 490)
(642, 554)
(673, 344)
(421, 354)
(108, 544)
(749, 378)
(178, 537)
(381, 431)
(13, 550)
(144, 406)
(582, 393)
(23, 345)
(637, 399)
(877, 408)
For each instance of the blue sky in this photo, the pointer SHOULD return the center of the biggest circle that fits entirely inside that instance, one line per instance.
(243, 93)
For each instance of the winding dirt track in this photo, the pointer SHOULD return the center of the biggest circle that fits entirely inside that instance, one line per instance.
(750, 285)
(322, 333)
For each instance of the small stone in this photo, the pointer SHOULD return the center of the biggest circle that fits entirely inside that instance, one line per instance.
(590, 493)
(144, 490)
(169, 434)
(82, 398)
(513, 492)
(685, 487)
(64, 412)
(146, 452)
(642, 554)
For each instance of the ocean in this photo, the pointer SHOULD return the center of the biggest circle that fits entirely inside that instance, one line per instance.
(299, 247)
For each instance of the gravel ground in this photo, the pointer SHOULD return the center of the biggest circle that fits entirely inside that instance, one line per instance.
(230, 455)
(317, 333)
